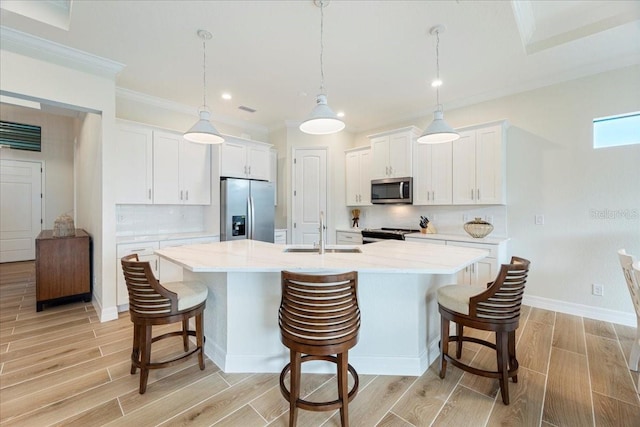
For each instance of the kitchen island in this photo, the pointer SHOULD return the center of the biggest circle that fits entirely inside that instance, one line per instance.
(397, 283)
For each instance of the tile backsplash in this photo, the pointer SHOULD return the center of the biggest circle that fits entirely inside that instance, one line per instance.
(446, 219)
(143, 220)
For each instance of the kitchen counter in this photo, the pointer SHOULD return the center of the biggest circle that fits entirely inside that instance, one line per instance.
(397, 284)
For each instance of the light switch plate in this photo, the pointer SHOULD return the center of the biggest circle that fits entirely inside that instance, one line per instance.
(539, 219)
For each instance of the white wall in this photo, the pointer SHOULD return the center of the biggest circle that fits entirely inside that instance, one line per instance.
(56, 155)
(553, 170)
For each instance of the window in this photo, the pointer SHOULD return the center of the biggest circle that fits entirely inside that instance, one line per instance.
(614, 131)
(20, 137)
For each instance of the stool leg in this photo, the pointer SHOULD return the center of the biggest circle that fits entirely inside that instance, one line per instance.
(145, 358)
(513, 362)
(444, 344)
(135, 351)
(459, 333)
(185, 336)
(200, 339)
(503, 362)
(343, 388)
(294, 387)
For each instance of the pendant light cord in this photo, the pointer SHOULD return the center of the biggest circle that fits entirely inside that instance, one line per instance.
(321, 46)
(204, 72)
(438, 70)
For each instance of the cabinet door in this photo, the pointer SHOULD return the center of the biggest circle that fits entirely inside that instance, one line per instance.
(134, 165)
(400, 155)
(258, 162)
(365, 178)
(489, 170)
(422, 174)
(166, 176)
(352, 178)
(380, 157)
(233, 160)
(440, 161)
(195, 173)
(464, 169)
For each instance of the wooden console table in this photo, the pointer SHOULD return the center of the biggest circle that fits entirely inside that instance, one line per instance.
(63, 268)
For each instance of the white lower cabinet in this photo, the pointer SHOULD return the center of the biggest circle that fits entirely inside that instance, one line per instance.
(164, 270)
(348, 237)
(280, 237)
(481, 272)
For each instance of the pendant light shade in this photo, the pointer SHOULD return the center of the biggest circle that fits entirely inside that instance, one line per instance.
(438, 131)
(203, 131)
(322, 120)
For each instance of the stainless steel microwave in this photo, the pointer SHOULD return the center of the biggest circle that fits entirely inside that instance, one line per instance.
(392, 191)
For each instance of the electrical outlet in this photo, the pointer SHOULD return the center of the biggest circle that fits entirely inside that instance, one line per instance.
(465, 217)
(597, 289)
(539, 219)
(489, 219)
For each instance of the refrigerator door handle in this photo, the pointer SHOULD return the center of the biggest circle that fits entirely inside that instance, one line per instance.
(252, 215)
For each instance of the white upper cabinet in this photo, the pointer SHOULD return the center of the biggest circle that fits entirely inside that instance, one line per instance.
(181, 170)
(479, 166)
(134, 164)
(358, 177)
(245, 159)
(432, 174)
(392, 153)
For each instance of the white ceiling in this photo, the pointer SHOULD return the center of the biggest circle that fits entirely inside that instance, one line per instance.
(379, 58)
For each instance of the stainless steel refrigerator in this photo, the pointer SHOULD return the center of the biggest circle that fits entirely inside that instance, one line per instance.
(247, 210)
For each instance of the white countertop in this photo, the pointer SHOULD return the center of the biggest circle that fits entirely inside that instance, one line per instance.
(163, 237)
(459, 238)
(390, 256)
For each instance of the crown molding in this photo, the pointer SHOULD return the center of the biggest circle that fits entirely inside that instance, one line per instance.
(165, 104)
(39, 48)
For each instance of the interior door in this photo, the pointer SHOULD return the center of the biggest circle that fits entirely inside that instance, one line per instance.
(20, 209)
(309, 194)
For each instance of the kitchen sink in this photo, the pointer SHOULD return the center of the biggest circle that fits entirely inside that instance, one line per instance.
(327, 250)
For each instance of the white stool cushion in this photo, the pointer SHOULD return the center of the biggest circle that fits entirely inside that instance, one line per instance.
(456, 297)
(190, 293)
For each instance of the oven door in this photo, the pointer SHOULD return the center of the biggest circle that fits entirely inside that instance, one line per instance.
(392, 190)
(366, 240)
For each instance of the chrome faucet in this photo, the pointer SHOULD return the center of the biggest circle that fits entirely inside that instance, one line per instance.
(322, 228)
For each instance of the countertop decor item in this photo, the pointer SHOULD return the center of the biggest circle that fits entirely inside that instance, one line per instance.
(355, 217)
(63, 226)
(478, 228)
(426, 227)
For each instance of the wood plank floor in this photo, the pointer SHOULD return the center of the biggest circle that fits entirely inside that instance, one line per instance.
(63, 367)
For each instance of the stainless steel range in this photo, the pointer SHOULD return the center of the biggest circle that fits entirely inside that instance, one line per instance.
(376, 235)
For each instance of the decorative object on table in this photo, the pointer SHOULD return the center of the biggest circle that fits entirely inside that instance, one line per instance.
(63, 226)
(426, 227)
(478, 228)
(355, 217)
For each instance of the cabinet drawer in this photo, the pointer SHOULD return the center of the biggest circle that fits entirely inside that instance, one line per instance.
(142, 249)
(348, 238)
(493, 249)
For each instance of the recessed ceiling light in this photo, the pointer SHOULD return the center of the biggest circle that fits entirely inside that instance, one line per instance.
(226, 96)
(436, 83)
(340, 114)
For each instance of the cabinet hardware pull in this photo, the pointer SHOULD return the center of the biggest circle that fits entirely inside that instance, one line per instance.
(478, 191)
(249, 170)
(149, 194)
(390, 170)
(433, 196)
(187, 194)
(180, 194)
(472, 194)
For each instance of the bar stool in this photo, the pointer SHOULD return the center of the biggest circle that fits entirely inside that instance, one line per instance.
(495, 308)
(151, 303)
(319, 317)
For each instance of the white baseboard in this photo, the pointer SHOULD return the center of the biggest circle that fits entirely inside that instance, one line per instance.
(105, 314)
(588, 311)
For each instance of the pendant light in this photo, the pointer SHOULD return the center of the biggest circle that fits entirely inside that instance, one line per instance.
(438, 131)
(322, 120)
(203, 131)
